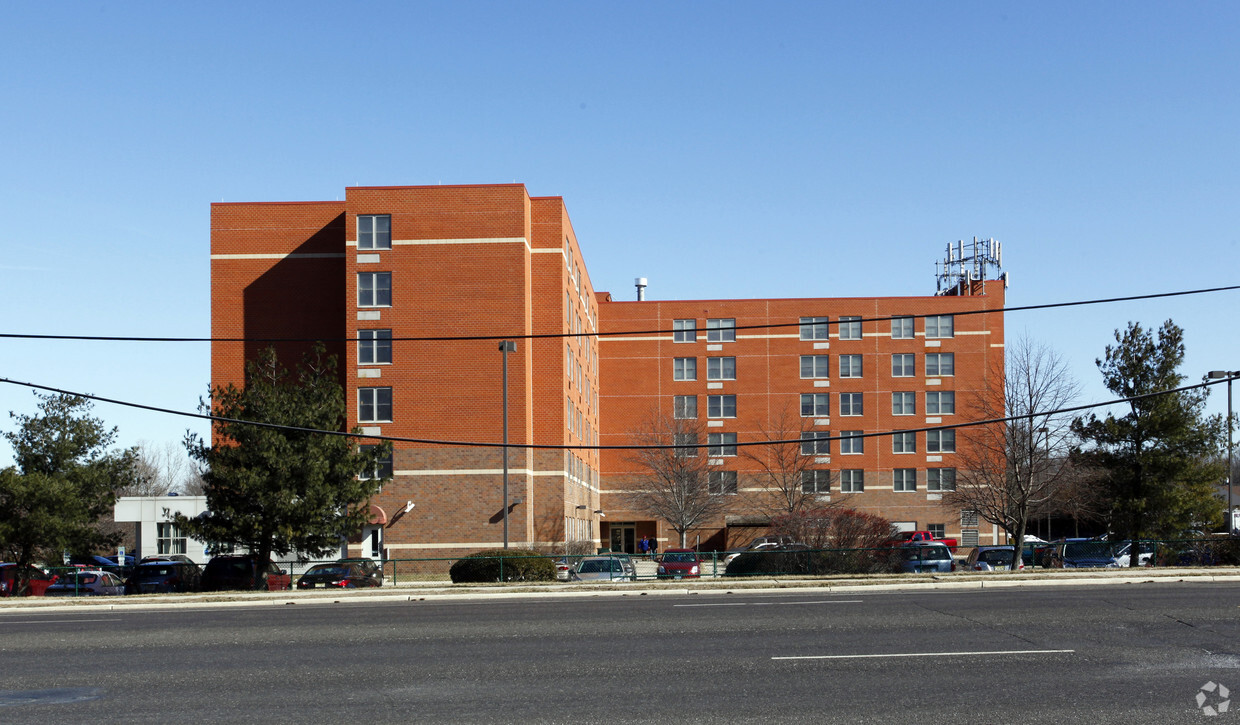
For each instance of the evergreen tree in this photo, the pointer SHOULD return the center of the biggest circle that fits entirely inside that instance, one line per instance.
(278, 490)
(65, 482)
(1160, 462)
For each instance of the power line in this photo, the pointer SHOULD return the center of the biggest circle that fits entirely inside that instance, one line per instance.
(619, 333)
(544, 446)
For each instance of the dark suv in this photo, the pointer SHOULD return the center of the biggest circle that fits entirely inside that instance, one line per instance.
(370, 567)
(236, 571)
(153, 577)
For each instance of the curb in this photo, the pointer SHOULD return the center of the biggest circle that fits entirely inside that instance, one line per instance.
(441, 592)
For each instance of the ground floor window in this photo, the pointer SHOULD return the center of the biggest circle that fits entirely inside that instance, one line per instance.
(169, 539)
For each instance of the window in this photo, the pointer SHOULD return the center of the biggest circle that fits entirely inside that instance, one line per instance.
(383, 468)
(721, 330)
(850, 366)
(684, 330)
(374, 405)
(169, 539)
(721, 483)
(901, 328)
(815, 366)
(852, 480)
(850, 328)
(938, 531)
(721, 444)
(721, 406)
(904, 403)
(685, 439)
(374, 231)
(940, 363)
(968, 518)
(904, 442)
(940, 441)
(374, 347)
(684, 406)
(721, 368)
(815, 443)
(850, 404)
(941, 403)
(815, 482)
(940, 326)
(904, 479)
(941, 479)
(903, 365)
(374, 289)
(852, 442)
(815, 405)
(815, 328)
(684, 368)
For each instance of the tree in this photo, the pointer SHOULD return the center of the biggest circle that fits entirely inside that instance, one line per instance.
(276, 490)
(65, 482)
(783, 468)
(164, 469)
(679, 485)
(1160, 462)
(1007, 469)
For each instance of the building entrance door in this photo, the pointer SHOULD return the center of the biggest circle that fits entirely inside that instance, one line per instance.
(624, 538)
(372, 542)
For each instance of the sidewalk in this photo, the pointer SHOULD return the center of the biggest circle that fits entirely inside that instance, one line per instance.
(446, 591)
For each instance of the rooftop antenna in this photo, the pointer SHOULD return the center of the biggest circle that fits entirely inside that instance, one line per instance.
(968, 263)
(641, 288)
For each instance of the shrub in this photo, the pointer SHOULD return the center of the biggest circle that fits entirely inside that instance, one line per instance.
(518, 565)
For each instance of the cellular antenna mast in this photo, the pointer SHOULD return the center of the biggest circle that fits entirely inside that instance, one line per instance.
(968, 265)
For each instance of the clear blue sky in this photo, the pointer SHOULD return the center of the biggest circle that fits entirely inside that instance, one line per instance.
(850, 142)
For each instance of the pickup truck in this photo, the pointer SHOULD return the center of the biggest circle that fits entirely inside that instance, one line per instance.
(906, 537)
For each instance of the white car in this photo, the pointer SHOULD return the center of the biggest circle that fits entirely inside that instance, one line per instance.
(600, 568)
(87, 583)
(1145, 558)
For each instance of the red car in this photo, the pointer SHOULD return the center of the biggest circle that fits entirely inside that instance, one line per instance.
(37, 581)
(679, 564)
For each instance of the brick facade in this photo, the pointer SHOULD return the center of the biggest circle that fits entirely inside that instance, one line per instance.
(489, 262)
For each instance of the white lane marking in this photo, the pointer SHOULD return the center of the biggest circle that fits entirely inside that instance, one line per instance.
(932, 654)
(769, 604)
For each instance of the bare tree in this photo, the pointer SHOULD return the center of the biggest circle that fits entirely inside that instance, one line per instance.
(791, 481)
(1008, 469)
(163, 469)
(679, 484)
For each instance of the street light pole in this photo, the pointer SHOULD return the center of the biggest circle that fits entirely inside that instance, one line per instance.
(1230, 375)
(505, 347)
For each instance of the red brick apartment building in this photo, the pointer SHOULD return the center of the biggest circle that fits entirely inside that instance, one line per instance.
(458, 268)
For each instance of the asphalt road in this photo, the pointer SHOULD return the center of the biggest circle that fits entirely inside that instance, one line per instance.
(1137, 653)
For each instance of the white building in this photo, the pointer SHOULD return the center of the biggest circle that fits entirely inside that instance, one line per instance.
(156, 533)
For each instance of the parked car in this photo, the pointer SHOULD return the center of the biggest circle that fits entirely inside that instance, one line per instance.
(1147, 550)
(236, 571)
(37, 581)
(563, 569)
(763, 543)
(87, 583)
(1083, 554)
(371, 567)
(926, 556)
(679, 564)
(168, 557)
(159, 577)
(991, 558)
(600, 568)
(910, 537)
(340, 575)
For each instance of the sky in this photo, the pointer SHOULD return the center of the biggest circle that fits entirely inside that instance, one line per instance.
(849, 142)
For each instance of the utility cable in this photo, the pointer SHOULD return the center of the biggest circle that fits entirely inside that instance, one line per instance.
(621, 333)
(544, 446)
